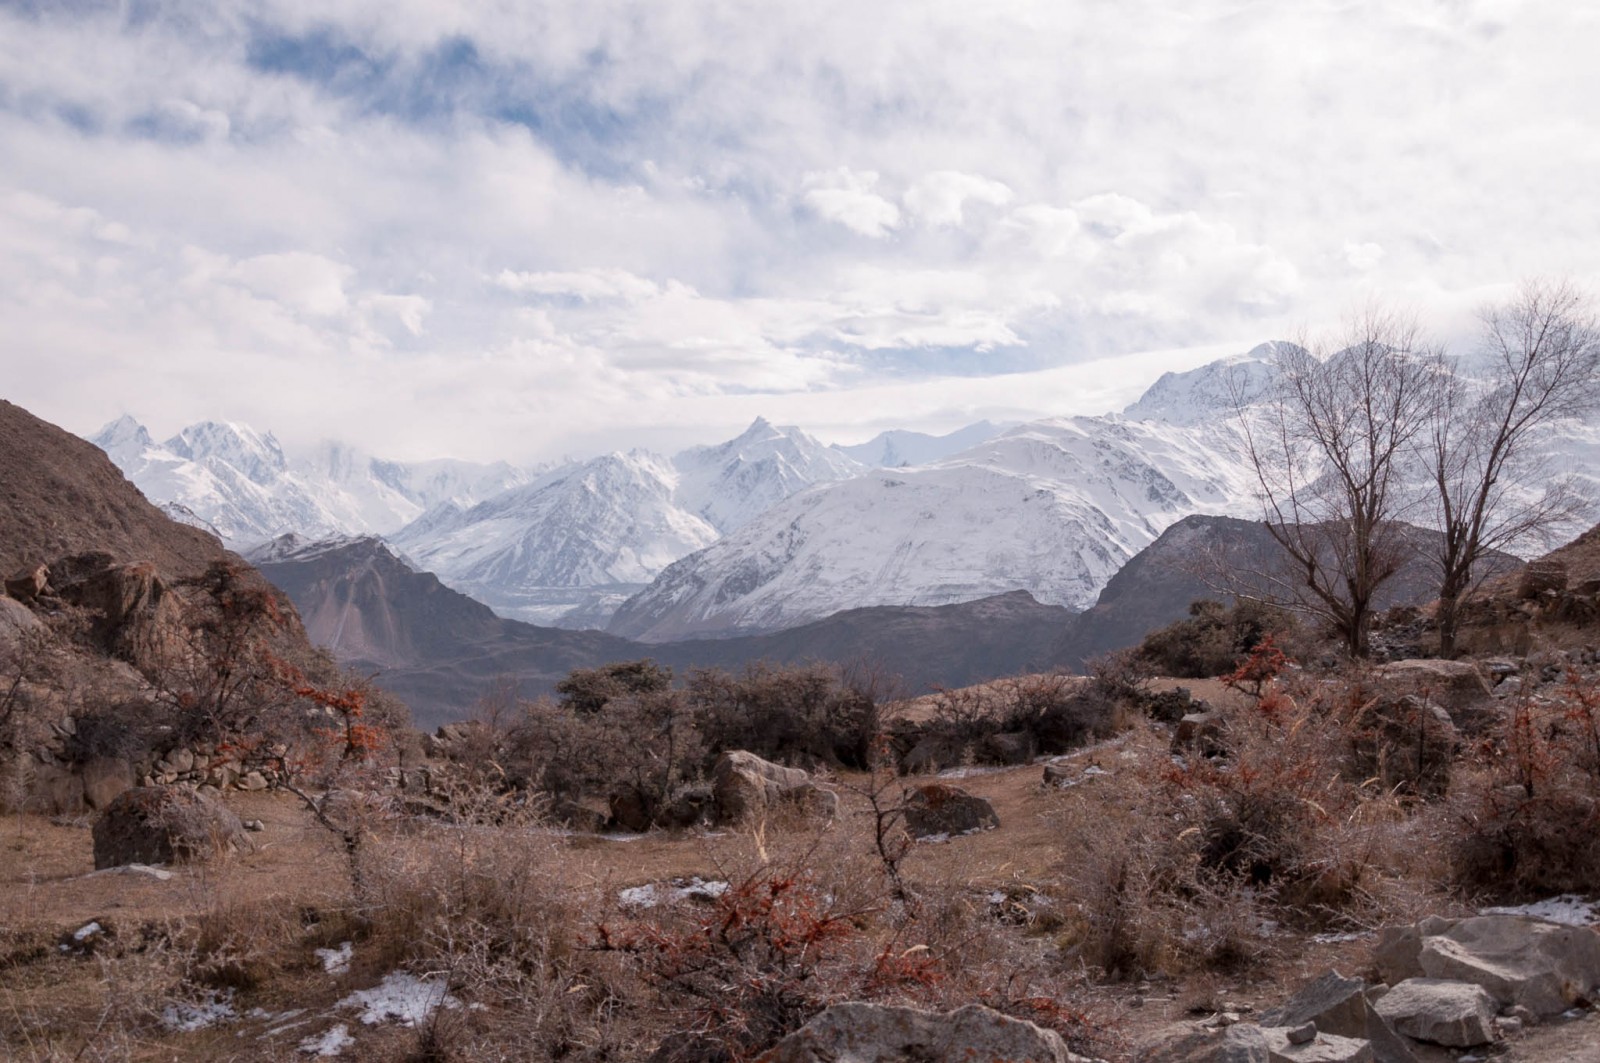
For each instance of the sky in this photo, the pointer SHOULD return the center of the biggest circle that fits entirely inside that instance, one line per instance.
(524, 230)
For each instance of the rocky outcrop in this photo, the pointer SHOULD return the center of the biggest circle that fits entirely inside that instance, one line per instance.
(163, 825)
(1259, 1044)
(877, 1033)
(1456, 685)
(1542, 966)
(745, 788)
(136, 615)
(935, 809)
(1440, 1011)
(1338, 1005)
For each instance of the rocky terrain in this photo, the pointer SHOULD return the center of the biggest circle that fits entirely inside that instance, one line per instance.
(222, 846)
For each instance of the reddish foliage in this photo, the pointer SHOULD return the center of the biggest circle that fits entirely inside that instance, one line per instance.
(1264, 664)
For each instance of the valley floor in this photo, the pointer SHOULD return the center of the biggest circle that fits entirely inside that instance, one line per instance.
(125, 990)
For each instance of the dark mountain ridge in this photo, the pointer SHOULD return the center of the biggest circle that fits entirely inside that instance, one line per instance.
(439, 650)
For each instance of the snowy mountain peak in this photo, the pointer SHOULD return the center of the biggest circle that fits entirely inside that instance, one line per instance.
(253, 453)
(899, 447)
(1214, 389)
(731, 483)
(124, 438)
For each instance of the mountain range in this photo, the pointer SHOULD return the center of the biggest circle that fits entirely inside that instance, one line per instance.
(439, 650)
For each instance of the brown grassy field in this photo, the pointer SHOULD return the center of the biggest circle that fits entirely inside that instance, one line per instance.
(509, 917)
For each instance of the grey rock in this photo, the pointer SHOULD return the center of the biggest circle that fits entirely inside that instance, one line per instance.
(745, 788)
(1442, 1012)
(1317, 1048)
(1235, 1044)
(1457, 685)
(876, 1033)
(938, 808)
(1058, 774)
(1299, 1035)
(1334, 1004)
(1542, 966)
(252, 780)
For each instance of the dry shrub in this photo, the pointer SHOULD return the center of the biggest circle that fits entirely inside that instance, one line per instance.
(1531, 805)
(1213, 640)
(807, 715)
(1211, 854)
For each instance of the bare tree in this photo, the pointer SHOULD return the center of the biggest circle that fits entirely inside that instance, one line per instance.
(1329, 445)
(1491, 477)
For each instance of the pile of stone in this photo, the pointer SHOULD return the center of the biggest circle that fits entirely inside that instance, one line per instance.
(1457, 983)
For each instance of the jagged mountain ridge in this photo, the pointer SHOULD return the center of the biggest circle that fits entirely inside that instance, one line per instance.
(898, 447)
(574, 544)
(1054, 507)
(440, 651)
(239, 482)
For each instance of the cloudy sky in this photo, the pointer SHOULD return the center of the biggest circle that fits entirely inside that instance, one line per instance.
(515, 228)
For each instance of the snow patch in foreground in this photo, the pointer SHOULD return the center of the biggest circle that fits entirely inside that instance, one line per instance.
(1569, 909)
(189, 1017)
(402, 997)
(679, 889)
(329, 1043)
(336, 961)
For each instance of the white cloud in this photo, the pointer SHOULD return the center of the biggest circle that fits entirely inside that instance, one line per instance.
(696, 207)
(1363, 256)
(847, 197)
(588, 285)
(940, 198)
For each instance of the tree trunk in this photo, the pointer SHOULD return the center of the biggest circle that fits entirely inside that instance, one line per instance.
(1447, 618)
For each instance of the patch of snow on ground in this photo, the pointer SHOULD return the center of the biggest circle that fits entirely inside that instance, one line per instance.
(1568, 909)
(1335, 939)
(86, 930)
(679, 889)
(187, 1017)
(336, 961)
(329, 1043)
(400, 996)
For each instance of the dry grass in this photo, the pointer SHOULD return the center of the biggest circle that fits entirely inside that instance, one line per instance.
(1092, 902)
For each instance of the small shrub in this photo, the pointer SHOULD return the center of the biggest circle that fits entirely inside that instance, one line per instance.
(1532, 806)
(1213, 639)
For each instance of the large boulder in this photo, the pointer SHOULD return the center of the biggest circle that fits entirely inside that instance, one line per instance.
(1406, 742)
(28, 583)
(877, 1033)
(1542, 966)
(163, 825)
(1541, 577)
(1440, 1011)
(1456, 685)
(17, 622)
(745, 788)
(1258, 1044)
(136, 615)
(938, 808)
(1338, 1005)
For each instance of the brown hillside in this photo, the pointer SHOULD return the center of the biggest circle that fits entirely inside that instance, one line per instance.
(61, 495)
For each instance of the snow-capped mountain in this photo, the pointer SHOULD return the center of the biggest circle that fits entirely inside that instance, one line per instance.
(898, 447)
(1054, 507)
(730, 484)
(570, 547)
(573, 539)
(1213, 390)
(238, 482)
